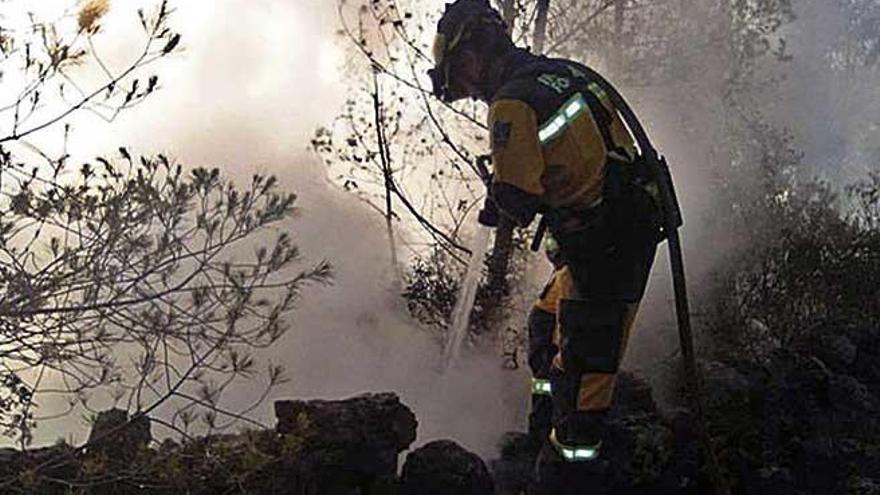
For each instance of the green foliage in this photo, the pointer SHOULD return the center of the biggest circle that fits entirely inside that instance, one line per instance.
(805, 257)
(651, 454)
(253, 462)
(432, 288)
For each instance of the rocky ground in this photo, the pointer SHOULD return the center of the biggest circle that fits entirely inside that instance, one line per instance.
(806, 420)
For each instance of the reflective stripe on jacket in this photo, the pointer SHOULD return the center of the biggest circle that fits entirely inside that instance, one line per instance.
(551, 129)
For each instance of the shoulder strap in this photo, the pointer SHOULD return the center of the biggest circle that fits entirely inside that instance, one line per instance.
(603, 121)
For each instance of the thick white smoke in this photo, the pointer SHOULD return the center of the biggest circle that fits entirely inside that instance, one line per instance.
(256, 78)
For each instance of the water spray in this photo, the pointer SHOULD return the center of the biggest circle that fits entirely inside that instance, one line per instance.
(467, 294)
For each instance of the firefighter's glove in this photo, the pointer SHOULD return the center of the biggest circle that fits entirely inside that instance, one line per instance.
(489, 215)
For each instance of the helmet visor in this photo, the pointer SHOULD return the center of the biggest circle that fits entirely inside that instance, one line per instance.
(442, 76)
(439, 48)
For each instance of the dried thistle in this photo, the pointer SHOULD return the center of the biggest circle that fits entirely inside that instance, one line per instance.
(91, 12)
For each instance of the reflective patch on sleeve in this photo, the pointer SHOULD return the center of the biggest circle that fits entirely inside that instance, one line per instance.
(517, 155)
(500, 135)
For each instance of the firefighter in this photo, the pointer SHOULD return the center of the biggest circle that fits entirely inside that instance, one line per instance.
(559, 149)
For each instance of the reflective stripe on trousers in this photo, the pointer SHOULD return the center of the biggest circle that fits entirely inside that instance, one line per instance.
(541, 386)
(575, 453)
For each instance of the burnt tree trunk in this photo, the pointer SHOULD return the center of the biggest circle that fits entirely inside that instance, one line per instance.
(499, 261)
(502, 249)
(508, 12)
(619, 7)
(541, 25)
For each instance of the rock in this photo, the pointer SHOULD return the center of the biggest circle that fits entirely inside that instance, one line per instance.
(854, 410)
(818, 466)
(835, 350)
(117, 438)
(348, 445)
(632, 395)
(640, 450)
(516, 443)
(643, 453)
(724, 387)
(811, 414)
(861, 456)
(772, 479)
(442, 468)
(864, 486)
(513, 471)
(844, 391)
(107, 423)
(867, 363)
(379, 420)
(840, 351)
(8, 455)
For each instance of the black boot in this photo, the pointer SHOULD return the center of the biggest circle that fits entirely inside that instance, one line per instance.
(554, 475)
(540, 420)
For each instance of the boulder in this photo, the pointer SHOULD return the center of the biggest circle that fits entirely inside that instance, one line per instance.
(771, 479)
(513, 471)
(347, 446)
(724, 387)
(632, 395)
(118, 438)
(443, 467)
(833, 346)
(867, 363)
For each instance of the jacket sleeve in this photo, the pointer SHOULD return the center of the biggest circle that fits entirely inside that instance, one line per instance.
(518, 160)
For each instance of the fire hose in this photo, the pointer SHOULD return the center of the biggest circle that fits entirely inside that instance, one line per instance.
(658, 170)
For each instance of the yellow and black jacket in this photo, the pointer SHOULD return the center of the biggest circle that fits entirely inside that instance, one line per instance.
(552, 133)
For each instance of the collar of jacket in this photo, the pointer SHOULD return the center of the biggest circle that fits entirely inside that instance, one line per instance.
(503, 71)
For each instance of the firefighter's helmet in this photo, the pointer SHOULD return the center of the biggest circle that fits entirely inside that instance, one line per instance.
(463, 23)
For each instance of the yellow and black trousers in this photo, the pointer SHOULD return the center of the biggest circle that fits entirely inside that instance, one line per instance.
(579, 328)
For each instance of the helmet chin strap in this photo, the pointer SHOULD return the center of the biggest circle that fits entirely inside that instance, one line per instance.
(485, 84)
